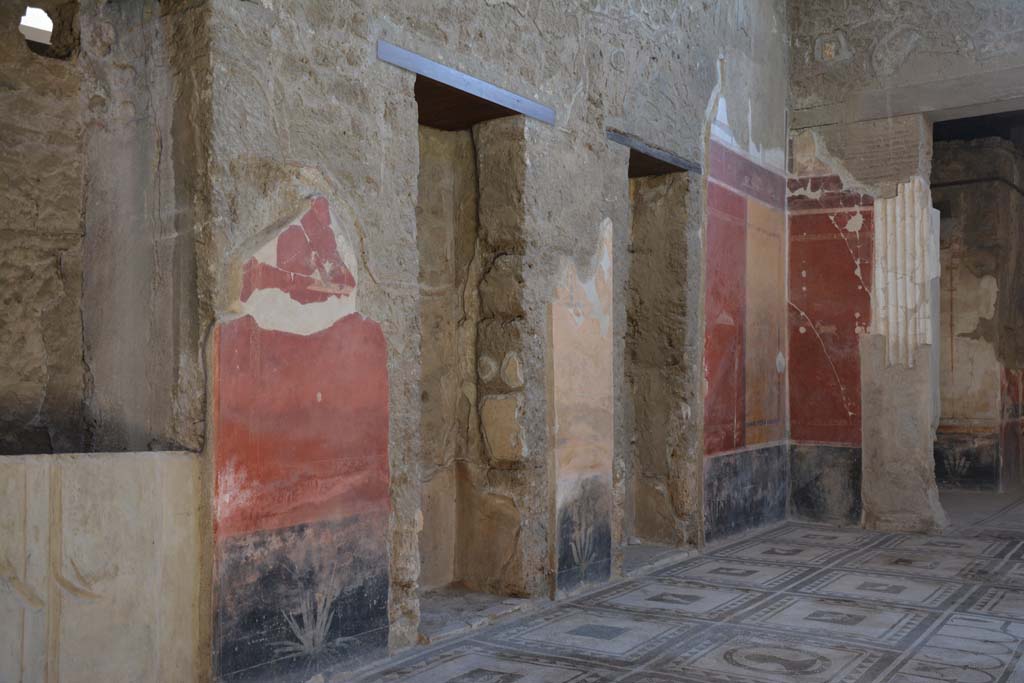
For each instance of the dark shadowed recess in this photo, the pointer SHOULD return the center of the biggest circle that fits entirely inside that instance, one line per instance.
(1008, 125)
(442, 106)
(645, 160)
(452, 100)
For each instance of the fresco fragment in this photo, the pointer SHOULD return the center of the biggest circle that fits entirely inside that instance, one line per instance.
(581, 357)
(300, 404)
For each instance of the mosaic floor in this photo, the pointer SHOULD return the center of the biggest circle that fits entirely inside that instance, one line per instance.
(796, 603)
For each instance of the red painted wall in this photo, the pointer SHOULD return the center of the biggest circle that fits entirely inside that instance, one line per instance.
(744, 303)
(724, 313)
(302, 424)
(300, 443)
(830, 247)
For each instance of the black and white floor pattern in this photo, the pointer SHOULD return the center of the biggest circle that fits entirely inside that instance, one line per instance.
(800, 602)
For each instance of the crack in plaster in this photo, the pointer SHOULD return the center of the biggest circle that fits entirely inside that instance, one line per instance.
(824, 348)
(856, 260)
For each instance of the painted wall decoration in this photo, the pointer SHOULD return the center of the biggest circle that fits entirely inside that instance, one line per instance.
(300, 415)
(745, 306)
(582, 418)
(830, 249)
(725, 309)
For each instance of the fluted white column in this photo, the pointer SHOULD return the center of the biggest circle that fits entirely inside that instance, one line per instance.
(901, 306)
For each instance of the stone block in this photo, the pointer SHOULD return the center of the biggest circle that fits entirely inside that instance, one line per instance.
(503, 436)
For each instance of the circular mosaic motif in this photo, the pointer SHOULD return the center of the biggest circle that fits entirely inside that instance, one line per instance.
(777, 660)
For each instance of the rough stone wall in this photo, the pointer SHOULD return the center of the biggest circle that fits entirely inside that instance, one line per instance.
(976, 185)
(854, 60)
(100, 568)
(656, 363)
(111, 133)
(144, 108)
(41, 190)
(302, 105)
(446, 233)
(501, 483)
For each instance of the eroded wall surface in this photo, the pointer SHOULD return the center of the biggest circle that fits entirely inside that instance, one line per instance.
(100, 163)
(1011, 439)
(145, 73)
(191, 191)
(899, 492)
(41, 190)
(841, 174)
(861, 59)
(745, 423)
(100, 568)
(300, 448)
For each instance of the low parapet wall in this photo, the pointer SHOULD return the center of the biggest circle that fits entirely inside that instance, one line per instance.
(100, 567)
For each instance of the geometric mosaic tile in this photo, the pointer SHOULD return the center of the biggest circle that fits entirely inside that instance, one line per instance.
(791, 553)
(730, 572)
(885, 588)
(728, 656)
(933, 564)
(613, 638)
(801, 603)
(885, 625)
(673, 598)
(978, 547)
(967, 648)
(813, 534)
(473, 663)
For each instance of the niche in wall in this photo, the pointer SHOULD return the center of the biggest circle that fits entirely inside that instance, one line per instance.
(472, 170)
(446, 228)
(662, 487)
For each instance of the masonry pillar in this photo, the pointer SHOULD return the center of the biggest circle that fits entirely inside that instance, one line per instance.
(883, 164)
(899, 380)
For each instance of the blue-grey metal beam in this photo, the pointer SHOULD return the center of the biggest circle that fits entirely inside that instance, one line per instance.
(418, 64)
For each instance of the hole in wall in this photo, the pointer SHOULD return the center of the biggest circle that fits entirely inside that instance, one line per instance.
(36, 25)
(52, 32)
